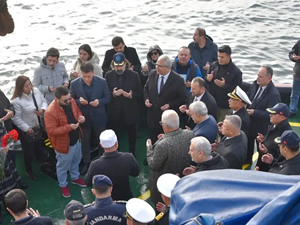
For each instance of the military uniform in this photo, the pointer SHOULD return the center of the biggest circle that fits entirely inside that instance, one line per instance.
(106, 211)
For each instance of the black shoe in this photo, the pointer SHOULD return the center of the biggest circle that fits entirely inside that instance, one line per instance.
(22, 185)
(292, 114)
(145, 162)
(31, 175)
(84, 168)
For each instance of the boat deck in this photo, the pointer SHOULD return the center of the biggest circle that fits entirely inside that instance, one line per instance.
(44, 193)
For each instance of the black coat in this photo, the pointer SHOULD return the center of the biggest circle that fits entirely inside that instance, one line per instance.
(234, 150)
(5, 104)
(272, 147)
(216, 163)
(173, 93)
(30, 220)
(120, 104)
(130, 54)
(243, 114)
(118, 167)
(233, 78)
(286, 167)
(210, 102)
(260, 120)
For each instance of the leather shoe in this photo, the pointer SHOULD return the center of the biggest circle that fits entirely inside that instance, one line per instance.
(23, 185)
(84, 168)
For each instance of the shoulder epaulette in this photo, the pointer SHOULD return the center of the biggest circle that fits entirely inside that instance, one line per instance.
(120, 201)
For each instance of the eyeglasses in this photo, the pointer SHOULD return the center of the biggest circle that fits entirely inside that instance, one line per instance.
(154, 53)
(160, 65)
(67, 100)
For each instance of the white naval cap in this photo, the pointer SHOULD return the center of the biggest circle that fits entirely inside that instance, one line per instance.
(239, 94)
(139, 210)
(108, 138)
(166, 183)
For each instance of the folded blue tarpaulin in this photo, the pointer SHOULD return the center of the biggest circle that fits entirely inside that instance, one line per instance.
(233, 197)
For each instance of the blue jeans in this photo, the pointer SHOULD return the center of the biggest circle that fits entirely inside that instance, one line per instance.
(68, 162)
(295, 96)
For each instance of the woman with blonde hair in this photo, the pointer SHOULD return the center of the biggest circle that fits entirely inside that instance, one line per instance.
(29, 105)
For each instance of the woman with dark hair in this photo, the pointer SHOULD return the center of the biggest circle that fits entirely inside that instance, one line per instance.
(29, 105)
(86, 55)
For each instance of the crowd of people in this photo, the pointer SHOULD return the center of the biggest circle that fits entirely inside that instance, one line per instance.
(200, 89)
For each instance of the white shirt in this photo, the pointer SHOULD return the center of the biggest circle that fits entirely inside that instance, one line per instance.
(199, 97)
(262, 91)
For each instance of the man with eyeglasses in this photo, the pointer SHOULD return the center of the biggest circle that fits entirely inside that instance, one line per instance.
(129, 52)
(164, 90)
(62, 120)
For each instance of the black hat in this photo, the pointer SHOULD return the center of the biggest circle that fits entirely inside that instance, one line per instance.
(74, 211)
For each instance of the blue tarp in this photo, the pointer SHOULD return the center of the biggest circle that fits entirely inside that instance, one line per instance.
(233, 197)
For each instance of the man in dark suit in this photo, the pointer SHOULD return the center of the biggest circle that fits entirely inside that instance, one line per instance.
(199, 93)
(164, 90)
(233, 146)
(263, 94)
(91, 95)
(129, 52)
(118, 166)
(223, 77)
(125, 88)
(238, 102)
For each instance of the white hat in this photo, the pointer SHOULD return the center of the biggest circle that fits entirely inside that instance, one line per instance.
(239, 94)
(108, 138)
(166, 183)
(139, 210)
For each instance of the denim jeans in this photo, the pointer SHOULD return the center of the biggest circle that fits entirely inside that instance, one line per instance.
(295, 96)
(68, 162)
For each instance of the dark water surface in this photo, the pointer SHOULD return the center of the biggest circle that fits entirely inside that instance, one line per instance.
(259, 31)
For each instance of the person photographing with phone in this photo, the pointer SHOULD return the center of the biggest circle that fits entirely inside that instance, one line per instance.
(62, 120)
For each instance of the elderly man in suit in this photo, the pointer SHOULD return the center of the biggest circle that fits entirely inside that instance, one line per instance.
(263, 94)
(233, 145)
(163, 90)
(91, 95)
(206, 124)
(199, 93)
(170, 153)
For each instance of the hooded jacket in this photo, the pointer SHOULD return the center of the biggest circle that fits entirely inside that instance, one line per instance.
(94, 60)
(45, 76)
(295, 50)
(209, 53)
(150, 63)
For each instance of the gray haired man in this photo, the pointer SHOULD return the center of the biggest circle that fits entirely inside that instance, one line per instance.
(233, 146)
(169, 154)
(200, 151)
